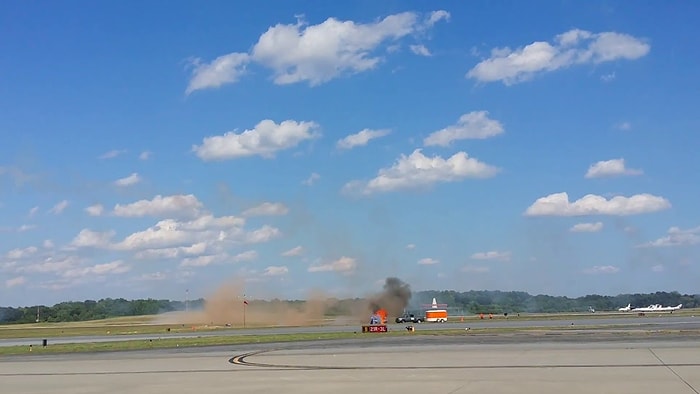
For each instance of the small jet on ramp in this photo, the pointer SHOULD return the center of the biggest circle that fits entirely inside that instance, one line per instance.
(625, 309)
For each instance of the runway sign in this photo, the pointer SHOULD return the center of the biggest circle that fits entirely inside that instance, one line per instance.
(380, 328)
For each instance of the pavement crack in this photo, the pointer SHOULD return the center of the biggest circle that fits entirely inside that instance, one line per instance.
(673, 371)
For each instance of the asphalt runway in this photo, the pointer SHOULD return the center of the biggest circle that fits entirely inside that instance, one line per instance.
(412, 364)
(659, 322)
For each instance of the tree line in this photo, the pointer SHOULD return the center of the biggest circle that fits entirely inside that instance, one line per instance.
(470, 302)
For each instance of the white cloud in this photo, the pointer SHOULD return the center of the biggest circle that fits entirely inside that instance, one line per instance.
(276, 271)
(266, 139)
(610, 168)
(492, 255)
(571, 48)
(52, 264)
(428, 261)
(17, 281)
(474, 125)
(410, 246)
(112, 154)
(361, 138)
(263, 234)
(48, 244)
(145, 155)
(313, 53)
(558, 205)
(677, 237)
(113, 268)
(419, 171)
(475, 269)
(196, 249)
(16, 254)
(602, 269)
(658, 268)
(59, 207)
(220, 71)
(172, 233)
(153, 276)
(95, 210)
(319, 53)
(159, 206)
(33, 211)
(608, 77)
(311, 179)
(437, 16)
(625, 126)
(293, 252)
(26, 227)
(586, 227)
(87, 238)
(420, 50)
(343, 264)
(130, 180)
(267, 209)
(202, 261)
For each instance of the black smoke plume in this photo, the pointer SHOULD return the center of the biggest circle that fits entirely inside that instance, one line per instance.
(394, 299)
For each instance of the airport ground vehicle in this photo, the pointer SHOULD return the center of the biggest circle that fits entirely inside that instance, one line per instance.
(410, 318)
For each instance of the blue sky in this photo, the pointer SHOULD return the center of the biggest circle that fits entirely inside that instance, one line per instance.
(316, 145)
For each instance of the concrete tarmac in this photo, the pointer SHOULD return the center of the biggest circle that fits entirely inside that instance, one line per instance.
(417, 364)
(655, 322)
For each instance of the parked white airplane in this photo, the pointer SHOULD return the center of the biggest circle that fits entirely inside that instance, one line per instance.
(656, 308)
(625, 309)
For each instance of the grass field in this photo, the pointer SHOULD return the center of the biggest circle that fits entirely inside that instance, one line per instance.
(133, 325)
(169, 343)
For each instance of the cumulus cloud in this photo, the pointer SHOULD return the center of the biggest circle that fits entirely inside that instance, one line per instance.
(112, 154)
(203, 261)
(87, 238)
(59, 207)
(586, 227)
(267, 209)
(343, 265)
(419, 171)
(558, 205)
(265, 140)
(220, 71)
(311, 179)
(676, 236)
(610, 168)
(115, 267)
(95, 210)
(20, 253)
(130, 180)
(16, 281)
(420, 50)
(602, 269)
(314, 54)
(360, 138)
(159, 206)
(411, 246)
(473, 125)
(276, 270)
(492, 255)
(574, 47)
(293, 252)
(145, 155)
(428, 261)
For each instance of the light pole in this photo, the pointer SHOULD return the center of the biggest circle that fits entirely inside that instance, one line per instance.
(187, 300)
(245, 303)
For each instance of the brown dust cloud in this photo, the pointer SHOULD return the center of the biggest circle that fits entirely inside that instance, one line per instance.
(225, 307)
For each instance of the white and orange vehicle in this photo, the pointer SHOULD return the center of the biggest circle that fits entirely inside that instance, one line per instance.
(436, 313)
